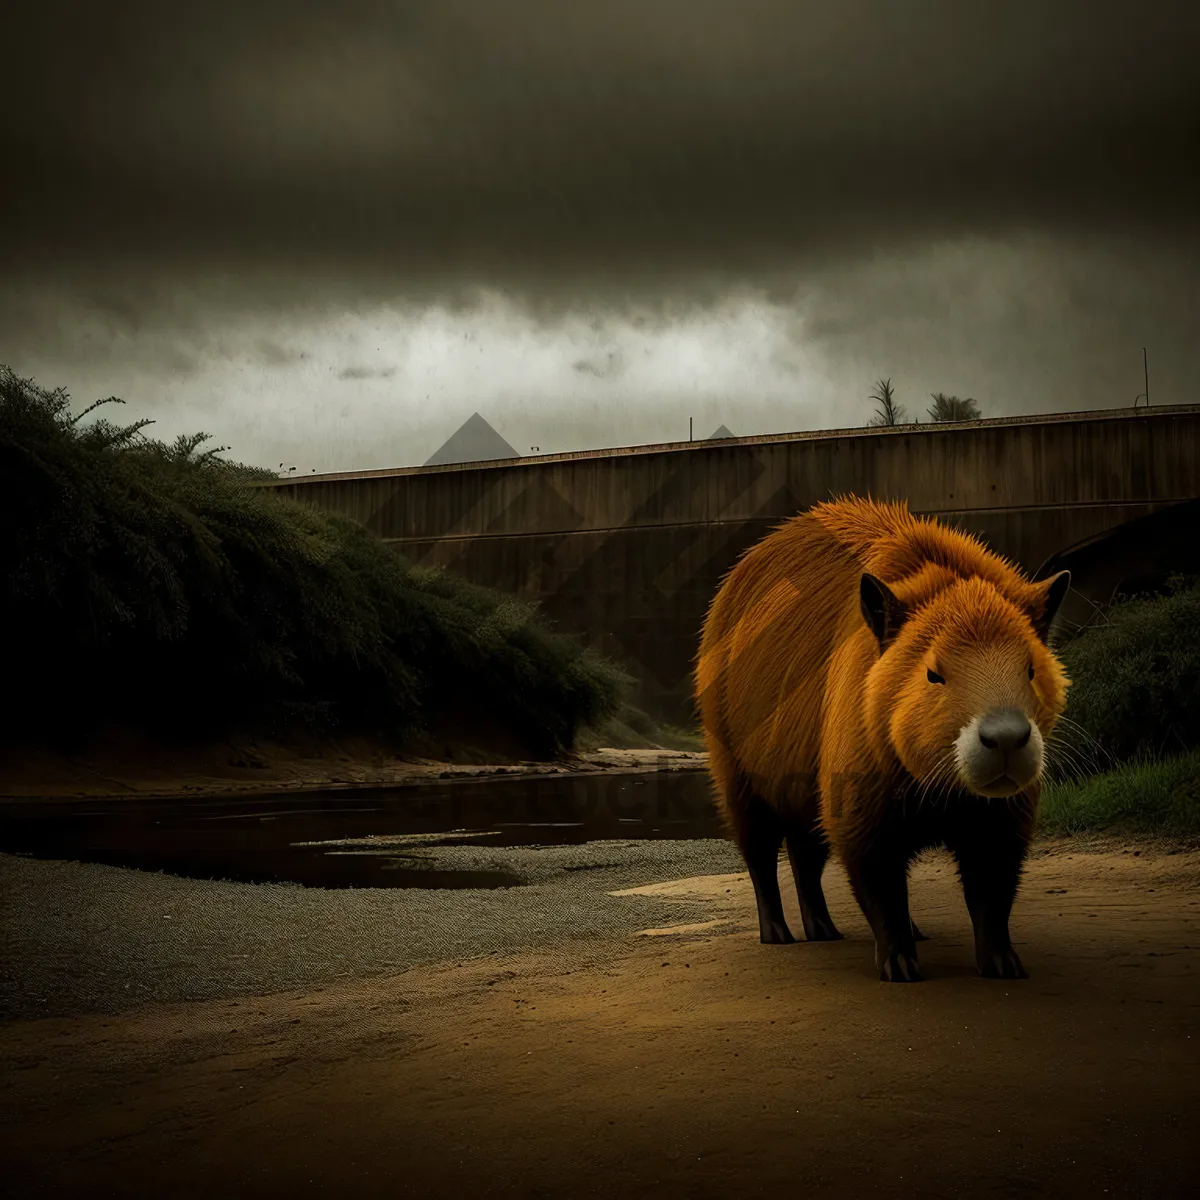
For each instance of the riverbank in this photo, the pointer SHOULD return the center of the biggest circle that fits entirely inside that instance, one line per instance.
(626, 1035)
(128, 766)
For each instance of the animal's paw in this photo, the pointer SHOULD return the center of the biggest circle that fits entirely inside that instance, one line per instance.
(1001, 964)
(775, 934)
(823, 931)
(898, 968)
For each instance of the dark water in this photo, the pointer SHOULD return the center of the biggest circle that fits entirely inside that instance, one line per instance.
(291, 839)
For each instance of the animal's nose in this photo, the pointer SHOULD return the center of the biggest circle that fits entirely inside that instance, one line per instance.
(1006, 729)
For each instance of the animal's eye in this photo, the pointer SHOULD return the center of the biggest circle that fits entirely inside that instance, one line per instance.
(1030, 670)
(933, 676)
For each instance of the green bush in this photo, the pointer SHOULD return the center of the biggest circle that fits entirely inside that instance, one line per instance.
(156, 585)
(1135, 677)
(1147, 796)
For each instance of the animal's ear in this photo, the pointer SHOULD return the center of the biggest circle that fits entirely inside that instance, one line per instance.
(882, 611)
(1053, 591)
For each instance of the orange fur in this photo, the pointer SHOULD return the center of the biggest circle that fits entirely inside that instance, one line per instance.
(802, 711)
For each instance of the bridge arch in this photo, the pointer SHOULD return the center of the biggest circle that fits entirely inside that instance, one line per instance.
(1134, 555)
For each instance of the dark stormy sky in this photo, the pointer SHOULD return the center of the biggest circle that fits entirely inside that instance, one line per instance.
(329, 233)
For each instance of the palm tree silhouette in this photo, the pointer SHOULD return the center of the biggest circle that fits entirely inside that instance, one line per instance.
(888, 412)
(952, 408)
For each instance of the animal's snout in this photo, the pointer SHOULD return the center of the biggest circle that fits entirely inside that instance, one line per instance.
(999, 752)
(1005, 729)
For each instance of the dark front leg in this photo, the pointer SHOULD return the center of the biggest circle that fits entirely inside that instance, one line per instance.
(990, 869)
(762, 837)
(880, 885)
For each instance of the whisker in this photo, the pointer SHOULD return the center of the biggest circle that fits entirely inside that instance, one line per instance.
(1057, 753)
(1062, 753)
(940, 776)
(1082, 734)
(1067, 769)
(927, 783)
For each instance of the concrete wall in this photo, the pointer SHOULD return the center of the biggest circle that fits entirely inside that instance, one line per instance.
(626, 547)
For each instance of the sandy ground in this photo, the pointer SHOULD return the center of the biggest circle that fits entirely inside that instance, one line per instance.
(664, 1061)
(80, 938)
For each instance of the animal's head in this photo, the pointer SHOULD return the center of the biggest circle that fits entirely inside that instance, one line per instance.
(966, 690)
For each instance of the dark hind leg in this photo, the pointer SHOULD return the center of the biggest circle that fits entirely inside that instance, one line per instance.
(759, 837)
(918, 936)
(808, 853)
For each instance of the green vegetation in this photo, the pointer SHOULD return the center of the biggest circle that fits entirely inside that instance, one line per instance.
(887, 411)
(154, 585)
(952, 408)
(1128, 751)
(1157, 797)
(943, 409)
(632, 729)
(1135, 676)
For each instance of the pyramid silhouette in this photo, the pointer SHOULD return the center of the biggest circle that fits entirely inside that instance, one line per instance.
(474, 441)
(722, 431)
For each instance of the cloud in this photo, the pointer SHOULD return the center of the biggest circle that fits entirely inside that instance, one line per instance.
(1031, 324)
(356, 373)
(271, 353)
(331, 235)
(603, 366)
(612, 148)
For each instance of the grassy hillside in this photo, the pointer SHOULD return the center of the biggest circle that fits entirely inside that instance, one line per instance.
(1127, 759)
(152, 584)
(1135, 676)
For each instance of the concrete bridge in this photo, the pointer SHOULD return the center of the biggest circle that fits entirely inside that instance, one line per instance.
(626, 547)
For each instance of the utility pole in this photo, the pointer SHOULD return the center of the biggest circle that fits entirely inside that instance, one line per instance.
(1146, 379)
(689, 429)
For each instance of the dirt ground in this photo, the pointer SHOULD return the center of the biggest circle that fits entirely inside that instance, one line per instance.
(686, 1061)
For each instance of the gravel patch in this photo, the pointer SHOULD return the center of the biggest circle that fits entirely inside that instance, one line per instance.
(86, 938)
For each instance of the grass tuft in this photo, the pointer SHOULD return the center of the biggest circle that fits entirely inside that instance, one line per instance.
(1143, 797)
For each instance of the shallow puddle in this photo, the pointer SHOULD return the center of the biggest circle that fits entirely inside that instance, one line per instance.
(364, 837)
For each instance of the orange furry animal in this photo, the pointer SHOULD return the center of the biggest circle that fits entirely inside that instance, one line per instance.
(876, 684)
